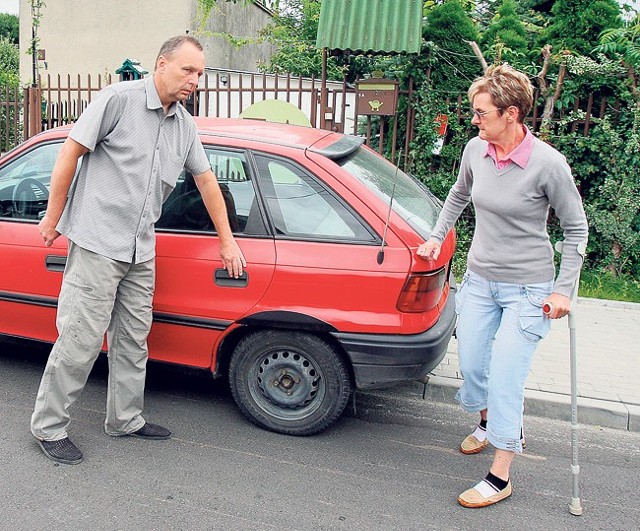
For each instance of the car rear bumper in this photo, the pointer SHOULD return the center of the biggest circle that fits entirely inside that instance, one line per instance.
(379, 359)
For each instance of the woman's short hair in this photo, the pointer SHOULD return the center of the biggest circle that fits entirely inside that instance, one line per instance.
(171, 45)
(507, 87)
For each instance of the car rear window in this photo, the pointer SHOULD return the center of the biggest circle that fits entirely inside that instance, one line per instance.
(411, 199)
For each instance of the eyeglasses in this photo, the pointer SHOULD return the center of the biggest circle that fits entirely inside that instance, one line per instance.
(482, 114)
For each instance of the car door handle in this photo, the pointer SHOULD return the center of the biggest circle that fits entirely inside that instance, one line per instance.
(55, 263)
(221, 278)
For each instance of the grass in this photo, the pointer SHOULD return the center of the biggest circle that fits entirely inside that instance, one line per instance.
(603, 285)
(593, 284)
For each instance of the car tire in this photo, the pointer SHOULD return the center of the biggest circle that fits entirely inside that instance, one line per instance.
(289, 382)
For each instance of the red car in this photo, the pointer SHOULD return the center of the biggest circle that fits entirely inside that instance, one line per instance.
(333, 298)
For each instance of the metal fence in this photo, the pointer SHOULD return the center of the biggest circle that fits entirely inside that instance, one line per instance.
(64, 98)
(229, 94)
(11, 104)
(61, 99)
(593, 107)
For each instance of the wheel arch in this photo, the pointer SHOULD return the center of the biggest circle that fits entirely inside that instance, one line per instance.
(277, 320)
(285, 319)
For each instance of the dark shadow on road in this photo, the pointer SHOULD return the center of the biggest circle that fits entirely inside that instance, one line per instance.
(161, 377)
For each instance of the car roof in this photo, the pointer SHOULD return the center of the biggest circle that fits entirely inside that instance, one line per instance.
(260, 130)
(328, 143)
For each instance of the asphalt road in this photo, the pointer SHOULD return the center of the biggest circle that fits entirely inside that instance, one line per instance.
(219, 472)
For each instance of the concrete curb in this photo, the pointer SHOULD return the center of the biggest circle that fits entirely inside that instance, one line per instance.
(406, 404)
(611, 304)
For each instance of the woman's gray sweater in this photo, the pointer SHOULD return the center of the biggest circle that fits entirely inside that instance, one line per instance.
(510, 242)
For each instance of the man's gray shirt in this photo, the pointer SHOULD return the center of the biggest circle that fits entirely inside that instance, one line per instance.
(136, 153)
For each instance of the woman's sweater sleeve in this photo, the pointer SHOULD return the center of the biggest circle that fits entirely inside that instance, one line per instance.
(567, 204)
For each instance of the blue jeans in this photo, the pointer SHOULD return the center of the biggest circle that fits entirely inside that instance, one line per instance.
(499, 327)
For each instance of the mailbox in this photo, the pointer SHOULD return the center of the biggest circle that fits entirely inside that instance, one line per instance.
(376, 96)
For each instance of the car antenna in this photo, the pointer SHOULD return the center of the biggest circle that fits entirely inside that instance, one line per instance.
(380, 257)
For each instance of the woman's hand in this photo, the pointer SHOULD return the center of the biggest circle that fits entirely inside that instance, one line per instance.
(556, 306)
(429, 250)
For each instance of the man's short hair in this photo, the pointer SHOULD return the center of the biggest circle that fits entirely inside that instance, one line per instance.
(171, 45)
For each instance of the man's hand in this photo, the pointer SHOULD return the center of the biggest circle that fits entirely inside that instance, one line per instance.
(232, 258)
(48, 231)
(61, 177)
(429, 250)
(558, 305)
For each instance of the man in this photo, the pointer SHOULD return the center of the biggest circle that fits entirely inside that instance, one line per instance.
(134, 140)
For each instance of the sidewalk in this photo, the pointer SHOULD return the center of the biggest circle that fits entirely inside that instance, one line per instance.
(608, 354)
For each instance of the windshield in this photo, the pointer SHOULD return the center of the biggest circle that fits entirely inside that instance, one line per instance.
(411, 199)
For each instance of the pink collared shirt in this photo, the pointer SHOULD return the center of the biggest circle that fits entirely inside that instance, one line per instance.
(520, 155)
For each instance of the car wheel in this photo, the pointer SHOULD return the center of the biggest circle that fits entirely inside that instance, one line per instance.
(289, 382)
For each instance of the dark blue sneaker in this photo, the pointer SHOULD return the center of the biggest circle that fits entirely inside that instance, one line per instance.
(62, 451)
(152, 431)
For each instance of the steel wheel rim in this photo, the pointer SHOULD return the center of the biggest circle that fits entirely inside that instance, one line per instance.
(287, 384)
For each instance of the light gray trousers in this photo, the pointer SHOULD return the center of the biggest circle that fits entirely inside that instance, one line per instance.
(98, 295)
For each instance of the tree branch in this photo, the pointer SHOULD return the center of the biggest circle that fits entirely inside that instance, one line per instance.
(542, 75)
(633, 78)
(545, 88)
(478, 53)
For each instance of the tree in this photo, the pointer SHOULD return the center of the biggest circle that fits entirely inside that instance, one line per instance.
(9, 27)
(448, 31)
(624, 43)
(9, 64)
(505, 40)
(577, 24)
(572, 34)
(540, 8)
(293, 33)
(9, 83)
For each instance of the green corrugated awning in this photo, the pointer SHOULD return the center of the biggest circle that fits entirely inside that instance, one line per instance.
(371, 25)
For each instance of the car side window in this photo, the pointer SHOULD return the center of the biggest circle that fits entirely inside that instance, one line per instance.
(303, 207)
(24, 183)
(184, 208)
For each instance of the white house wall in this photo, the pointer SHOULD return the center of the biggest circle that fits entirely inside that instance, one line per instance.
(95, 36)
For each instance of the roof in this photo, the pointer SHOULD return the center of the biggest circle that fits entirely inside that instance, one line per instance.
(131, 65)
(371, 25)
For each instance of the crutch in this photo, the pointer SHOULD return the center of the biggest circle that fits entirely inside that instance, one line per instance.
(575, 507)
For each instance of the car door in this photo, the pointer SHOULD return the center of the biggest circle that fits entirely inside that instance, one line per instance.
(30, 273)
(327, 264)
(195, 300)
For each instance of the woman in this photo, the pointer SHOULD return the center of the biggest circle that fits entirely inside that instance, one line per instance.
(513, 179)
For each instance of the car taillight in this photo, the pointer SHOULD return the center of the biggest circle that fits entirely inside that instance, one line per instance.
(422, 291)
